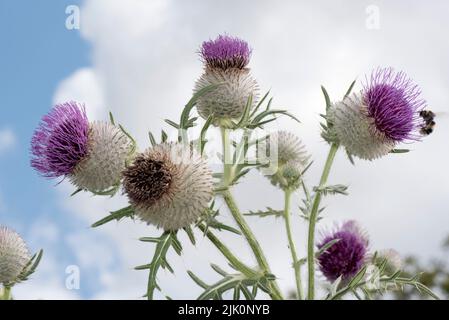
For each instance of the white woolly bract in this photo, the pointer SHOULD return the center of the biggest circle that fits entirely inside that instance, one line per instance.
(356, 131)
(394, 261)
(287, 151)
(190, 191)
(282, 147)
(109, 149)
(229, 99)
(14, 255)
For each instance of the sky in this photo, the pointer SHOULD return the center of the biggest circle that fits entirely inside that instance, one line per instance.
(139, 60)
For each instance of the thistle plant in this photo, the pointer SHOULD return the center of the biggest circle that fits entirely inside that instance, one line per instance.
(171, 185)
(16, 262)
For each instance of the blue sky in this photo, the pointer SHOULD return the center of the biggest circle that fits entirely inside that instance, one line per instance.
(37, 53)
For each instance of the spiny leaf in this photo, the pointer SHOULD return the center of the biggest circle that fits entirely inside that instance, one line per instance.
(348, 92)
(260, 103)
(115, 215)
(176, 244)
(76, 192)
(335, 189)
(111, 118)
(269, 212)
(152, 139)
(197, 280)
(150, 239)
(189, 106)
(190, 234)
(143, 267)
(399, 151)
(204, 132)
(164, 136)
(158, 259)
(358, 277)
(236, 295)
(172, 123)
(350, 157)
(29, 268)
(326, 98)
(246, 111)
(218, 270)
(326, 247)
(109, 192)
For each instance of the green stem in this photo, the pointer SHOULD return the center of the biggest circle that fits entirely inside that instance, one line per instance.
(227, 165)
(291, 244)
(238, 217)
(233, 260)
(312, 221)
(6, 293)
(252, 241)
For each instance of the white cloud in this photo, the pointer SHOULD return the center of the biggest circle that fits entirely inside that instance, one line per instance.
(48, 282)
(144, 68)
(85, 87)
(7, 139)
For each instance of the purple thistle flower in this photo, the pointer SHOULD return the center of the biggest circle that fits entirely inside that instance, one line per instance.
(225, 52)
(394, 102)
(61, 140)
(345, 257)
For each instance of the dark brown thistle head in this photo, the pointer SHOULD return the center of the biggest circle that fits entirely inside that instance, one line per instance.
(169, 186)
(146, 180)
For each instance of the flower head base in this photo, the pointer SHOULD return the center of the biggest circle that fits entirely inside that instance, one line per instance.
(229, 99)
(109, 148)
(14, 255)
(169, 185)
(394, 102)
(356, 131)
(369, 124)
(225, 52)
(345, 257)
(287, 151)
(392, 258)
(92, 155)
(61, 140)
(225, 61)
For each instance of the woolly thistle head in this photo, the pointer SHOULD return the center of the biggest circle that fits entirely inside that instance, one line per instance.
(169, 185)
(61, 140)
(109, 148)
(225, 52)
(391, 257)
(286, 150)
(386, 112)
(14, 255)
(225, 60)
(345, 257)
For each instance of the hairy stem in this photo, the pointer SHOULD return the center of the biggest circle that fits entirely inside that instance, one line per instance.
(252, 241)
(238, 217)
(291, 244)
(227, 163)
(6, 293)
(233, 260)
(312, 222)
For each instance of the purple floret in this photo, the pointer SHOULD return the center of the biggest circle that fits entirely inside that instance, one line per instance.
(61, 140)
(226, 52)
(347, 256)
(394, 102)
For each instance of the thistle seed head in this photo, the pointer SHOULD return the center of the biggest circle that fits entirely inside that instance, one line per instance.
(169, 185)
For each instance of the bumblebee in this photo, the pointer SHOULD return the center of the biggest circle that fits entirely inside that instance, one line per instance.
(428, 122)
